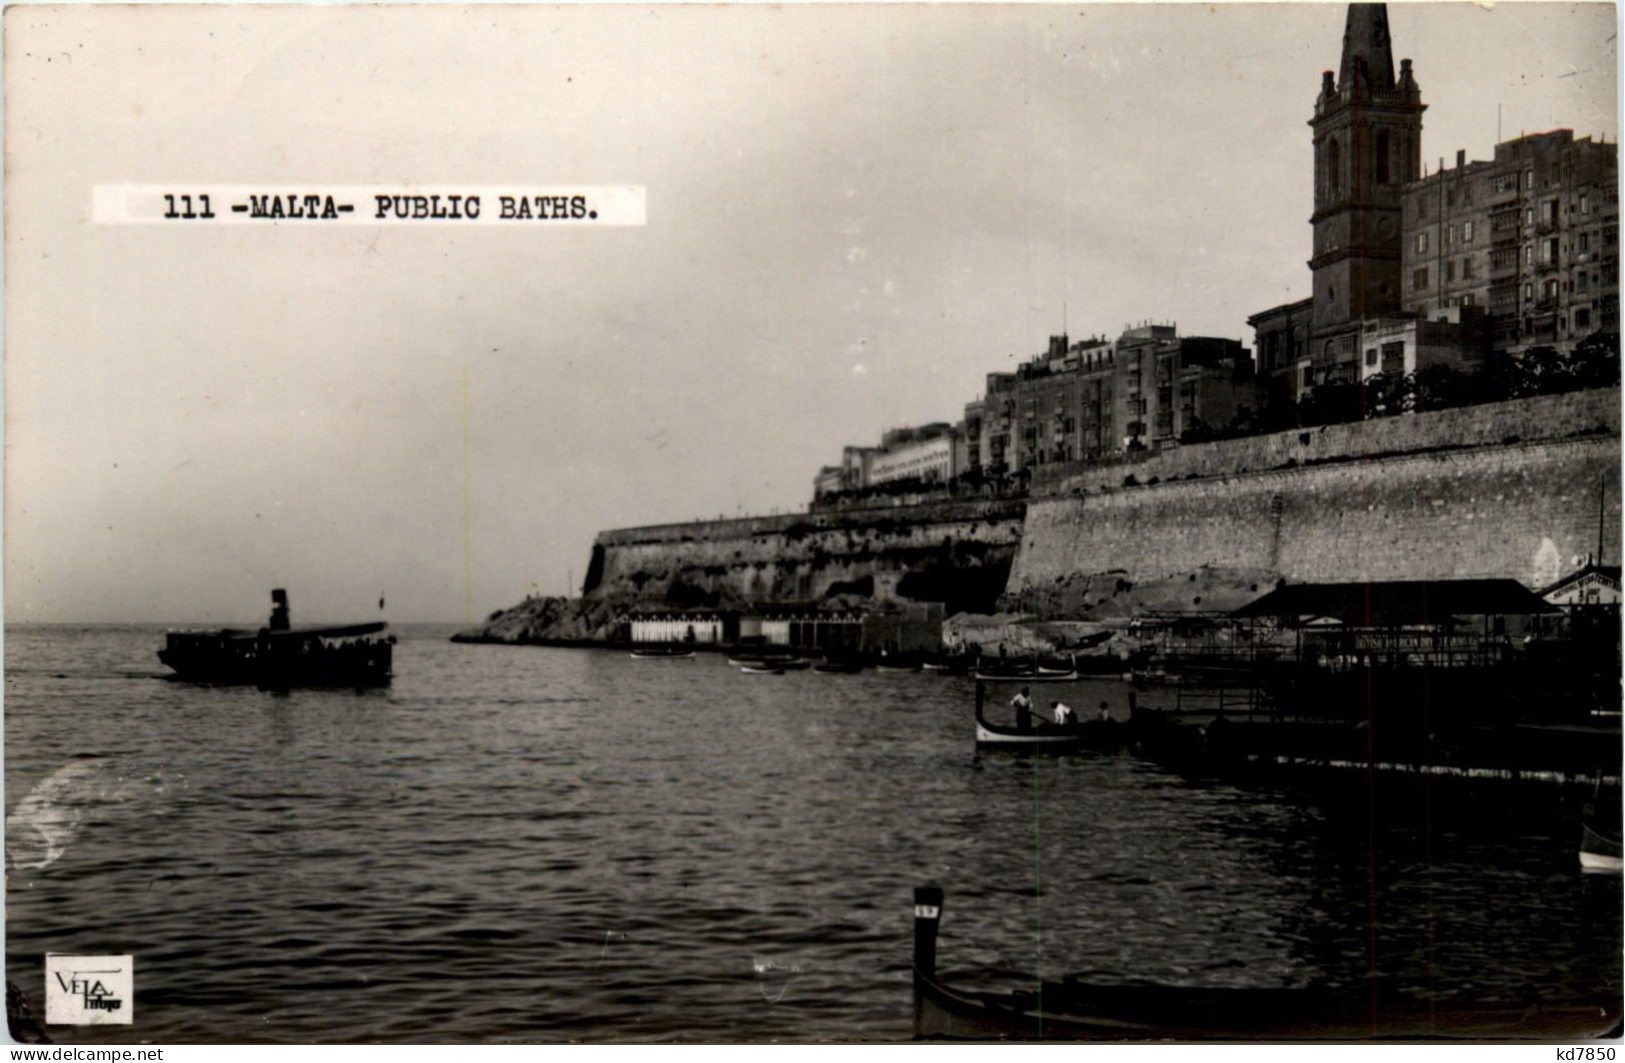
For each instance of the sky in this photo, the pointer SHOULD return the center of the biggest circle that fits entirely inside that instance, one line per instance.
(854, 213)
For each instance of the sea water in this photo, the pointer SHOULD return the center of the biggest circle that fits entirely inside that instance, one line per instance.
(524, 844)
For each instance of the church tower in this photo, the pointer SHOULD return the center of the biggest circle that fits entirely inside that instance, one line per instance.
(1368, 144)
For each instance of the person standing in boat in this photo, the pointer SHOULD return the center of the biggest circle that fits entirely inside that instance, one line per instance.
(1063, 713)
(1023, 704)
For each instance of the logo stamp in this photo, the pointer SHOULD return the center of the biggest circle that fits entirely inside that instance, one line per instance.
(89, 990)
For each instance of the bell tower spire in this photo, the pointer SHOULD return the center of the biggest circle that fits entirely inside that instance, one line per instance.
(1368, 144)
(1366, 50)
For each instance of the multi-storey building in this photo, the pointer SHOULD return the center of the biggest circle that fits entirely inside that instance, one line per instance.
(1533, 237)
(1282, 334)
(1082, 401)
(933, 453)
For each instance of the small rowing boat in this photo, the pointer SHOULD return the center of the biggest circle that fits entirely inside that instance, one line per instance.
(662, 653)
(1093, 734)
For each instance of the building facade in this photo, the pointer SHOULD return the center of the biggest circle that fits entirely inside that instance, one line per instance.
(1532, 237)
(1085, 400)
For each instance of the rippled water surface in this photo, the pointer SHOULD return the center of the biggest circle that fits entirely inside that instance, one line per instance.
(543, 844)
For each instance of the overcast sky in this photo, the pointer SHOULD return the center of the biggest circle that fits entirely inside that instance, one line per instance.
(854, 213)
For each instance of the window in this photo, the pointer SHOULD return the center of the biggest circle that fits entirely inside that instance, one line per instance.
(1582, 318)
(1548, 252)
(1548, 290)
(1528, 179)
(1466, 269)
(1467, 300)
(1421, 243)
(1393, 357)
(1419, 280)
(1466, 232)
(1580, 281)
(1334, 167)
(1585, 241)
(1422, 208)
(1382, 157)
(1371, 358)
(1450, 271)
(1548, 212)
(1528, 292)
(1585, 203)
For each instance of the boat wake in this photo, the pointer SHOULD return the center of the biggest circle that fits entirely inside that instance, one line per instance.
(46, 822)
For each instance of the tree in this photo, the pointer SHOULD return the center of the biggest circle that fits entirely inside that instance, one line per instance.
(1595, 361)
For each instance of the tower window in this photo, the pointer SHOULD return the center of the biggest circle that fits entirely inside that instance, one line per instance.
(1334, 167)
(1382, 157)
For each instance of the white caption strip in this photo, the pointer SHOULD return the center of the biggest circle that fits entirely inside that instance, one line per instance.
(182, 204)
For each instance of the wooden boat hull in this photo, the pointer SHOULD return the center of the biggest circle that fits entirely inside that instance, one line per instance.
(1026, 677)
(1600, 854)
(662, 655)
(1073, 1011)
(1085, 734)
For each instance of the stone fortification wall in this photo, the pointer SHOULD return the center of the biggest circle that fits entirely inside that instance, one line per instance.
(1529, 511)
(1524, 420)
(960, 552)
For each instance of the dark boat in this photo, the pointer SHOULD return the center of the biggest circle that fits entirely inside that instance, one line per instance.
(839, 666)
(281, 655)
(1072, 1010)
(1087, 734)
(762, 668)
(950, 665)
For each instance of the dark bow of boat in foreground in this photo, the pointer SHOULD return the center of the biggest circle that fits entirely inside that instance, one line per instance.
(1071, 1010)
(280, 655)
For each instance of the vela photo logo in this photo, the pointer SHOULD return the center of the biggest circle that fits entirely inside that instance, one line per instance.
(89, 990)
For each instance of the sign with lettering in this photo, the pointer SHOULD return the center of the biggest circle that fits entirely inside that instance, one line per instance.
(89, 990)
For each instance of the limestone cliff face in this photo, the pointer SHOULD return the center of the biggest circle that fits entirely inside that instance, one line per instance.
(958, 553)
(1503, 490)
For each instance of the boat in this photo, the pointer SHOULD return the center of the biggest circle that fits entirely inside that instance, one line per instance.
(897, 664)
(281, 655)
(1094, 734)
(762, 669)
(662, 653)
(1027, 671)
(839, 666)
(1073, 1010)
(949, 665)
(1600, 853)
